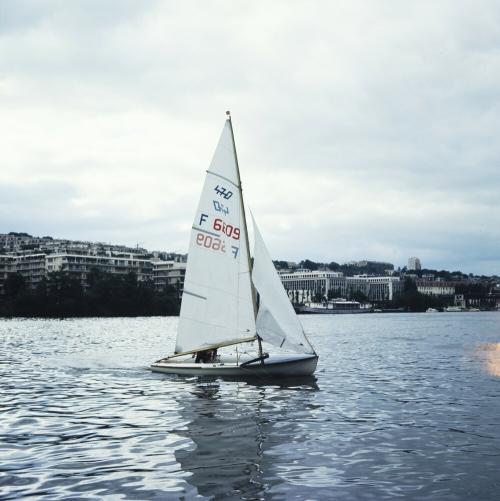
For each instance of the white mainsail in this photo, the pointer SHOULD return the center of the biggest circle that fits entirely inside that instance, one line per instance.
(217, 306)
(276, 322)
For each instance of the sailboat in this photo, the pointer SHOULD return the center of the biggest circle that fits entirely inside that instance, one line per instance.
(232, 310)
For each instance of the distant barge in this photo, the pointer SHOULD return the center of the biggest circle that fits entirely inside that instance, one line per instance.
(335, 306)
(329, 311)
(340, 307)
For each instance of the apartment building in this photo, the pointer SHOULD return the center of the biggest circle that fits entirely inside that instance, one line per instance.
(80, 265)
(414, 264)
(7, 266)
(35, 267)
(31, 267)
(168, 273)
(15, 241)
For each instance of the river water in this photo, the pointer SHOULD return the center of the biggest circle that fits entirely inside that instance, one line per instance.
(402, 406)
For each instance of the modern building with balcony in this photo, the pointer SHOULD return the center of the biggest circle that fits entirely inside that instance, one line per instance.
(7, 266)
(36, 257)
(168, 273)
(31, 267)
(80, 265)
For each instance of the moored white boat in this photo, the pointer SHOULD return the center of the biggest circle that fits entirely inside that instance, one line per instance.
(228, 303)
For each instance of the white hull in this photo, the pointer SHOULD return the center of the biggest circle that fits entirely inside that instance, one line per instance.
(275, 366)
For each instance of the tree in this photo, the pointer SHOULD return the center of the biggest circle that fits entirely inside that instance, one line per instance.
(359, 296)
(282, 265)
(14, 285)
(412, 300)
(409, 285)
(309, 265)
(62, 295)
(332, 294)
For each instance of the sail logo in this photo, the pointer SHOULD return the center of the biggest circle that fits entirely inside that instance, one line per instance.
(220, 207)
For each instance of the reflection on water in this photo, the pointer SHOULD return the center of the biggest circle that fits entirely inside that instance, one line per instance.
(401, 408)
(489, 353)
(233, 435)
(219, 468)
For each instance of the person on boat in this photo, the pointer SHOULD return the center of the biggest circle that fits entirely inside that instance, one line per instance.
(206, 356)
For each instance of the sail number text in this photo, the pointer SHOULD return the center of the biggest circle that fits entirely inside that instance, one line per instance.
(223, 192)
(214, 243)
(219, 225)
(228, 229)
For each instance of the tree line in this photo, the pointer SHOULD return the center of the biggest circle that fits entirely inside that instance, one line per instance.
(412, 300)
(372, 268)
(346, 269)
(104, 294)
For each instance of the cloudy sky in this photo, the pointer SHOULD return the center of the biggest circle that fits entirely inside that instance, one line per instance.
(365, 130)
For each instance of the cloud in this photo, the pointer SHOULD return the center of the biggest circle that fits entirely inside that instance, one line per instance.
(364, 130)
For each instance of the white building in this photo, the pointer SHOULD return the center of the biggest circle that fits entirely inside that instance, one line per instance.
(31, 267)
(168, 273)
(80, 265)
(7, 266)
(380, 288)
(414, 264)
(14, 241)
(435, 288)
(79, 258)
(35, 267)
(25, 243)
(303, 286)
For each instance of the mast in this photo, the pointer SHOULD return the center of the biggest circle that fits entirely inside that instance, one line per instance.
(254, 301)
(254, 296)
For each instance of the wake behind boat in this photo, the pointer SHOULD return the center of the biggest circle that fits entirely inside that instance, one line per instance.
(231, 311)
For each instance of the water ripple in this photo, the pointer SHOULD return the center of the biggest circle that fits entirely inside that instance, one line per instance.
(402, 406)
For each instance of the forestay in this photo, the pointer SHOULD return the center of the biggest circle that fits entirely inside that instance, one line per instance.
(276, 322)
(217, 306)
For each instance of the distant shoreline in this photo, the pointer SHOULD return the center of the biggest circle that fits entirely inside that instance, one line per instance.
(75, 317)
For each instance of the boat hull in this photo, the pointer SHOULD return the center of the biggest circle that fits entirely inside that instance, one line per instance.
(288, 366)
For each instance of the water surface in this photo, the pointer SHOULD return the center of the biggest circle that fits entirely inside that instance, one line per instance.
(402, 406)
